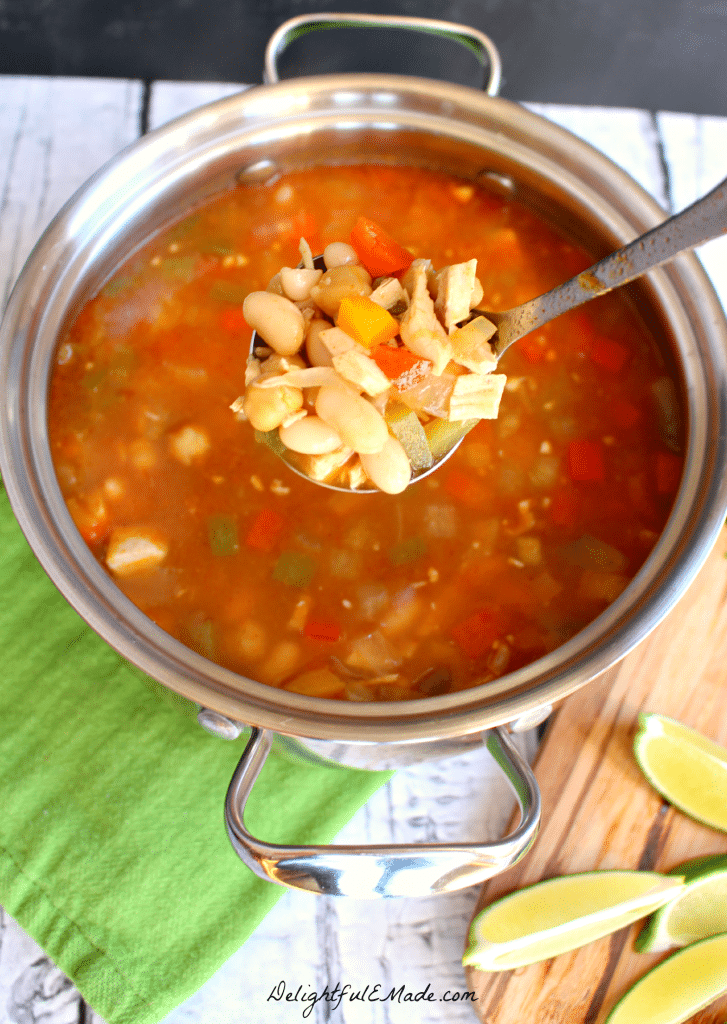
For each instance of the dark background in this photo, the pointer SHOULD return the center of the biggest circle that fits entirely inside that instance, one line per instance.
(657, 54)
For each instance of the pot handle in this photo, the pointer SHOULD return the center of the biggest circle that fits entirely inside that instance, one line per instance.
(367, 872)
(475, 41)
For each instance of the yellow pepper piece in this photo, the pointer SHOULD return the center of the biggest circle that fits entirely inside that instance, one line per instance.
(366, 322)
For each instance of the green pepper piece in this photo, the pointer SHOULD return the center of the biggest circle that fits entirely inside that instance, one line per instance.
(443, 435)
(295, 569)
(407, 551)
(222, 534)
(228, 291)
(179, 268)
(201, 636)
(404, 424)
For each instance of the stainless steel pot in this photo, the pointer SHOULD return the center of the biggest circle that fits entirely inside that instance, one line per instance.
(354, 118)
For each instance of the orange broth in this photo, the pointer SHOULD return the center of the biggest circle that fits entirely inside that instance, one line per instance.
(525, 535)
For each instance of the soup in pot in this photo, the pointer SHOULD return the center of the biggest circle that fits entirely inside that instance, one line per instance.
(536, 523)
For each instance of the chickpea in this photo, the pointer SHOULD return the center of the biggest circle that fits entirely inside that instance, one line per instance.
(339, 283)
(339, 254)
(266, 408)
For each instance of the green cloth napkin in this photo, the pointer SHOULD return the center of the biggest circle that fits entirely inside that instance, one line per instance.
(113, 850)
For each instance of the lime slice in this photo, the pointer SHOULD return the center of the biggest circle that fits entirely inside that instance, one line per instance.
(558, 915)
(698, 911)
(678, 987)
(689, 770)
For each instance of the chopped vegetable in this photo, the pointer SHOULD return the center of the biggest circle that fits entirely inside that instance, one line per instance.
(666, 399)
(377, 250)
(405, 425)
(373, 653)
(466, 488)
(443, 435)
(222, 534)
(608, 354)
(407, 551)
(585, 460)
(477, 633)
(395, 361)
(471, 345)
(326, 631)
(201, 637)
(589, 552)
(265, 530)
(228, 291)
(365, 321)
(295, 569)
(179, 268)
(318, 682)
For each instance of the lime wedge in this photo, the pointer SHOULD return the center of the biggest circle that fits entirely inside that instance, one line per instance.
(689, 770)
(698, 911)
(560, 914)
(678, 987)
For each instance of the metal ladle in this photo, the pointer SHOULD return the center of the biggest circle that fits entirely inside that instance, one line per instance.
(702, 221)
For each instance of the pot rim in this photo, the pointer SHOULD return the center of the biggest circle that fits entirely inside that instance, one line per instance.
(42, 293)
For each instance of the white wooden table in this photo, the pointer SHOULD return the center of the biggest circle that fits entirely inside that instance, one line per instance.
(53, 134)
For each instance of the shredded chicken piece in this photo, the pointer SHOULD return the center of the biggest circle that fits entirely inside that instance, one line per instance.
(475, 397)
(454, 292)
(421, 331)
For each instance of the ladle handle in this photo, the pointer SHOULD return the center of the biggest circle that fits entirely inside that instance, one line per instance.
(475, 41)
(368, 872)
(702, 221)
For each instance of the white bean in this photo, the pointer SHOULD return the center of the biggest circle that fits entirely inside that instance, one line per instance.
(389, 469)
(339, 254)
(310, 436)
(298, 283)
(355, 420)
(317, 352)
(276, 319)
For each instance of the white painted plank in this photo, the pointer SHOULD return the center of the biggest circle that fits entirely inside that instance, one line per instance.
(696, 152)
(172, 99)
(628, 137)
(54, 133)
(32, 989)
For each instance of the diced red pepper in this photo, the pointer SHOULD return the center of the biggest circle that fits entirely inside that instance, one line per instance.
(585, 461)
(476, 634)
(395, 361)
(565, 507)
(233, 321)
(608, 354)
(465, 488)
(326, 631)
(668, 472)
(377, 250)
(625, 414)
(265, 530)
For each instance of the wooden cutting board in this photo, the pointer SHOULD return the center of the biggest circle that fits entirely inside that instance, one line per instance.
(599, 812)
